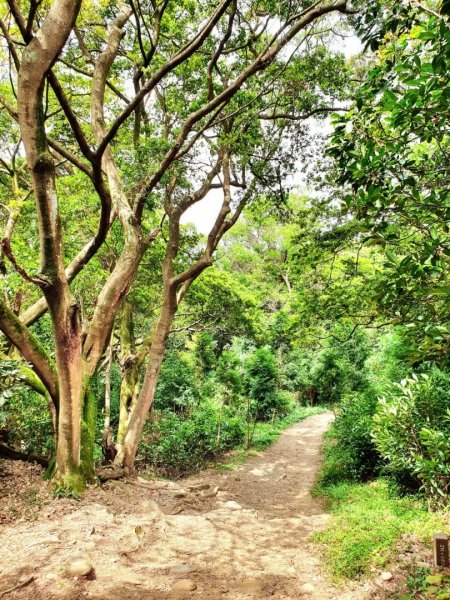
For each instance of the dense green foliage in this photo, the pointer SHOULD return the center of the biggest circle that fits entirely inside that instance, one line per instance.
(338, 297)
(174, 445)
(390, 157)
(392, 154)
(411, 429)
(317, 277)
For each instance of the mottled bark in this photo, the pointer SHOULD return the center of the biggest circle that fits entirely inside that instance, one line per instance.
(37, 60)
(118, 283)
(108, 446)
(175, 286)
(139, 411)
(130, 366)
(107, 419)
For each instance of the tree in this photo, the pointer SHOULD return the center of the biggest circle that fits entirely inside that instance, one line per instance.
(392, 152)
(261, 384)
(207, 79)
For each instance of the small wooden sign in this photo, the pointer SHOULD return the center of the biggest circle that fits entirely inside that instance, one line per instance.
(441, 550)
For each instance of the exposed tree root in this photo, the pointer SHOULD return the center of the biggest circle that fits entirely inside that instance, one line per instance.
(110, 473)
(18, 586)
(11, 453)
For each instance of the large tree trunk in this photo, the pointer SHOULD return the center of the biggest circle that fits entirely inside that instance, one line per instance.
(138, 415)
(129, 394)
(67, 332)
(37, 60)
(87, 434)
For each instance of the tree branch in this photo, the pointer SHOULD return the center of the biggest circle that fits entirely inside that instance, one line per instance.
(263, 60)
(29, 347)
(169, 66)
(6, 247)
(293, 117)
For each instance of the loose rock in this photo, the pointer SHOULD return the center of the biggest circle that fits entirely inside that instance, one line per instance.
(209, 494)
(307, 588)
(79, 565)
(386, 576)
(184, 585)
(199, 487)
(51, 539)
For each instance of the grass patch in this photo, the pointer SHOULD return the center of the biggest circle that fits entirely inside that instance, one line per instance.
(368, 519)
(267, 434)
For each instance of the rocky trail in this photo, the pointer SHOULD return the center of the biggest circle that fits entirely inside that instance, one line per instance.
(231, 536)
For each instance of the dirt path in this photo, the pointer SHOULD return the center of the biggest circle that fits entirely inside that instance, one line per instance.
(249, 539)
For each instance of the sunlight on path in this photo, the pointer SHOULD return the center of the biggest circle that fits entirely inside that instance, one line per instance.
(251, 542)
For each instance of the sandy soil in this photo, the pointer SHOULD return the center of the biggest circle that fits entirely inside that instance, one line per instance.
(231, 536)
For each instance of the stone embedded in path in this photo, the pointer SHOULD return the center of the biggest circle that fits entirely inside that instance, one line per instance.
(386, 576)
(50, 539)
(232, 505)
(181, 569)
(199, 487)
(184, 585)
(209, 493)
(307, 588)
(250, 586)
(153, 509)
(79, 565)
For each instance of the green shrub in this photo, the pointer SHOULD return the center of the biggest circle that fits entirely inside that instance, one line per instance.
(350, 452)
(353, 431)
(176, 389)
(412, 433)
(25, 418)
(261, 382)
(229, 373)
(176, 446)
(284, 403)
(205, 358)
(327, 375)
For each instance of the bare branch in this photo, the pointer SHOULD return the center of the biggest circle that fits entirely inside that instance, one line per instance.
(6, 247)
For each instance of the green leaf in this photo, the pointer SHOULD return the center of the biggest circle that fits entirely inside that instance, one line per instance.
(442, 291)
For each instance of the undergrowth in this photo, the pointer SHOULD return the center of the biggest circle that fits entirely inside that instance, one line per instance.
(265, 435)
(368, 519)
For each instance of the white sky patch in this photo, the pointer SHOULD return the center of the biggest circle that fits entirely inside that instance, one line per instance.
(203, 214)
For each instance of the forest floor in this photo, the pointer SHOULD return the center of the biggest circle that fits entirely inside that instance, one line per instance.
(225, 535)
